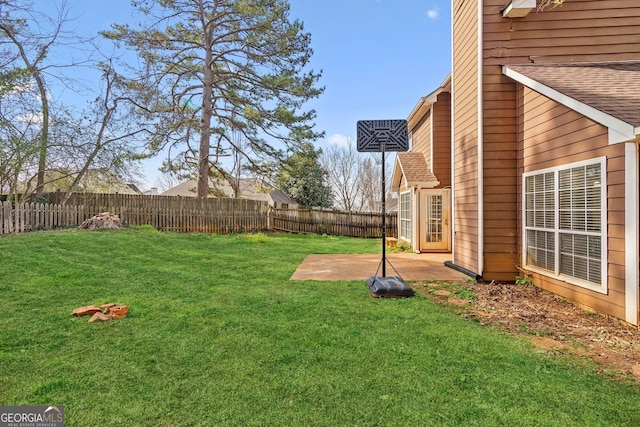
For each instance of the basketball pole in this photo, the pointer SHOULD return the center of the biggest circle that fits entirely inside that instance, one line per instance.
(384, 218)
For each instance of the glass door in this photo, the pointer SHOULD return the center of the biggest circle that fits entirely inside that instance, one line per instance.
(434, 220)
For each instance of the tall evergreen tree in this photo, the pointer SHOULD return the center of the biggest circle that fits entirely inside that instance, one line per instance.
(211, 68)
(304, 179)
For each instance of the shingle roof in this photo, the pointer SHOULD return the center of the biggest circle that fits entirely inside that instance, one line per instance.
(250, 188)
(611, 87)
(415, 169)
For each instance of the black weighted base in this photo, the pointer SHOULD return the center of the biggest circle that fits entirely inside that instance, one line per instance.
(389, 287)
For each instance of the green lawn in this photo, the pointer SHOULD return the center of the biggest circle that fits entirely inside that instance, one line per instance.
(218, 335)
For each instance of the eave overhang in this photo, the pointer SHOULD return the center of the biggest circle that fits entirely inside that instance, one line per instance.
(518, 8)
(426, 102)
(619, 130)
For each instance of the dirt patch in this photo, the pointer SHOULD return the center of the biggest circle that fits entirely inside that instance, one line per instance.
(554, 324)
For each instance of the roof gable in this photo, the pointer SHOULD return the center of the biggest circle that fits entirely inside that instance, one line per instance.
(413, 167)
(606, 92)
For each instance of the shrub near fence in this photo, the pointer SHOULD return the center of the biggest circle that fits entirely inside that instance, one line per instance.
(190, 214)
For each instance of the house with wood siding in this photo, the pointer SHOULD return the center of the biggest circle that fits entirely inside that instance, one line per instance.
(422, 176)
(544, 147)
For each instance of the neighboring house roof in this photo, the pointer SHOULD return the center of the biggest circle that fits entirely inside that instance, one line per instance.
(249, 188)
(413, 167)
(606, 92)
(94, 181)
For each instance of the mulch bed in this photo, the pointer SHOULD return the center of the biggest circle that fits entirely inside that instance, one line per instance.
(554, 324)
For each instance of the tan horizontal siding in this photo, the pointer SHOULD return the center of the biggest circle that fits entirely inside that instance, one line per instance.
(465, 182)
(421, 136)
(615, 203)
(616, 257)
(468, 221)
(466, 256)
(616, 162)
(616, 271)
(465, 136)
(466, 109)
(565, 36)
(563, 120)
(608, 52)
(577, 31)
(502, 205)
(499, 267)
(616, 244)
(442, 139)
(520, 136)
(554, 135)
(612, 304)
(500, 223)
(615, 217)
(563, 44)
(572, 134)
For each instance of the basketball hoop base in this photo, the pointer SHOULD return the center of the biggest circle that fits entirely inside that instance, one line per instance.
(389, 287)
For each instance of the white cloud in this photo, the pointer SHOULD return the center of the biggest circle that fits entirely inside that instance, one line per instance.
(433, 13)
(31, 118)
(339, 140)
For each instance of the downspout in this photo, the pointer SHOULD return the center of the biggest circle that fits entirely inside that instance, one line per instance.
(463, 270)
(453, 149)
(415, 221)
(480, 147)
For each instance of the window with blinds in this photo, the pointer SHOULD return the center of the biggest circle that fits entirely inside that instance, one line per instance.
(564, 211)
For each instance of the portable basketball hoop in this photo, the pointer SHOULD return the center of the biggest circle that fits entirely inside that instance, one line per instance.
(380, 136)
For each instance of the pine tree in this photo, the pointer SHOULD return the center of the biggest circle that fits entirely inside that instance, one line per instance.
(212, 68)
(304, 179)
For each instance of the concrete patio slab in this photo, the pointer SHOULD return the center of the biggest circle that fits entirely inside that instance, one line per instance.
(409, 266)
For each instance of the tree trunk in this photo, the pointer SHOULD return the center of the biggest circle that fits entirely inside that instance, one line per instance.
(44, 135)
(205, 123)
(32, 67)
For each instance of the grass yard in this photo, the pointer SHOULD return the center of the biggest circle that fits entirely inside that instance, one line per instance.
(217, 335)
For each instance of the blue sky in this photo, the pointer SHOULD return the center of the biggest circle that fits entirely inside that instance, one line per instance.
(378, 57)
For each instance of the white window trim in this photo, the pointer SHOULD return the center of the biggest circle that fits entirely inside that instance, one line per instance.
(603, 288)
(405, 238)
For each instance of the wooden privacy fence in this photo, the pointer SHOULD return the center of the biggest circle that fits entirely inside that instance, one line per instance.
(38, 216)
(190, 214)
(165, 214)
(175, 213)
(299, 219)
